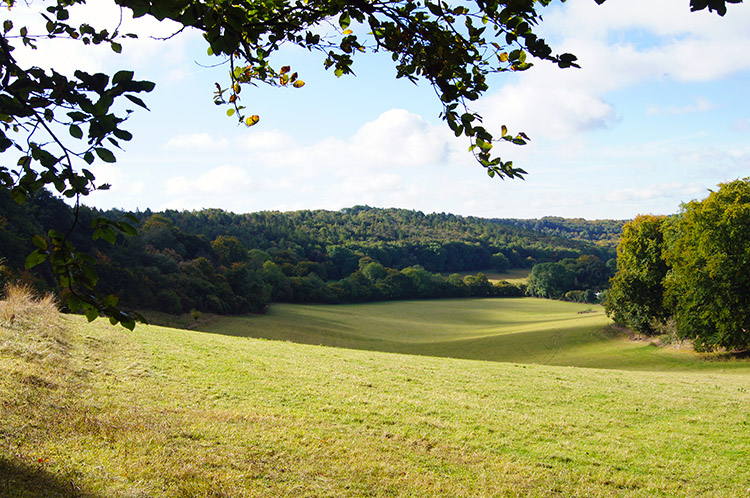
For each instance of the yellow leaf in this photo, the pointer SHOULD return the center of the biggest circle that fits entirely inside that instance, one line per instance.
(299, 84)
(348, 31)
(503, 57)
(251, 120)
(504, 130)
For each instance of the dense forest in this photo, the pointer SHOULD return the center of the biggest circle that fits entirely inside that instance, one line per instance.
(601, 232)
(217, 261)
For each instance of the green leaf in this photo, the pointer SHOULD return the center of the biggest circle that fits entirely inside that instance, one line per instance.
(77, 116)
(35, 258)
(75, 131)
(136, 101)
(91, 313)
(105, 155)
(39, 241)
(74, 302)
(345, 21)
(122, 134)
(104, 233)
(230, 112)
(122, 76)
(116, 47)
(111, 300)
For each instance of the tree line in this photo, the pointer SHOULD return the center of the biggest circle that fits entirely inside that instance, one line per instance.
(216, 261)
(689, 272)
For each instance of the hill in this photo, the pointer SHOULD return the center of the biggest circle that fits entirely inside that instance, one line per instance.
(92, 410)
(220, 262)
(605, 233)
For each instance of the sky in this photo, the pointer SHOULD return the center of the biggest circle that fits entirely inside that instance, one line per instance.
(657, 115)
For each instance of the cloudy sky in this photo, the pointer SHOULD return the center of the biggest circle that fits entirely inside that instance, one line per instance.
(657, 115)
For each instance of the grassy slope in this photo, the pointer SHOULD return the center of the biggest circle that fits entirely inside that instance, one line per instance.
(173, 413)
(525, 330)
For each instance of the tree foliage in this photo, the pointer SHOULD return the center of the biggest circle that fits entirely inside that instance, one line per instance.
(694, 267)
(636, 295)
(54, 126)
(569, 279)
(221, 262)
(708, 251)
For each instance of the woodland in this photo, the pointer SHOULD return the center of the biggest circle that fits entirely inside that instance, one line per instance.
(221, 262)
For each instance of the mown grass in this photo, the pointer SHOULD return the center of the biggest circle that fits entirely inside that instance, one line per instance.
(172, 413)
(520, 330)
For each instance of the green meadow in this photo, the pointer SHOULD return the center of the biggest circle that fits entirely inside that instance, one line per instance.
(90, 410)
(520, 330)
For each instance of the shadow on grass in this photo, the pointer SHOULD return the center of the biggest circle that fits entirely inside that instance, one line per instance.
(18, 480)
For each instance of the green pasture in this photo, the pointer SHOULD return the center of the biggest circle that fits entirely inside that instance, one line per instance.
(520, 330)
(95, 411)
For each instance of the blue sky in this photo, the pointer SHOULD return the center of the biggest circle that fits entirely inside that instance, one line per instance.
(657, 115)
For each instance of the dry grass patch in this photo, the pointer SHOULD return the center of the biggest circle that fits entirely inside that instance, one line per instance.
(31, 326)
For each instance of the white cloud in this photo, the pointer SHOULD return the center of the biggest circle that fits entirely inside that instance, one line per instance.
(123, 190)
(266, 140)
(396, 139)
(192, 141)
(619, 45)
(699, 105)
(392, 160)
(675, 190)
(223, 180)
(400, 138)
(67, 55)
(718, 161)
(549, 111)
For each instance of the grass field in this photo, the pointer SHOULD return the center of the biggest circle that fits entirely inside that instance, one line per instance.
(90, 410)
(521, 330)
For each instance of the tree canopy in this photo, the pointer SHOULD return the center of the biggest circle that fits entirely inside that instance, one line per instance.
(708, 251)
(54, 125)
(694, 267)
(221, 262)
(636, 294)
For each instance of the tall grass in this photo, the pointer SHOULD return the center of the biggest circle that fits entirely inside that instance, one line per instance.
(31, 325)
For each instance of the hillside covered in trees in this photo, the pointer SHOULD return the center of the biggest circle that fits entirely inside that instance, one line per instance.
(221, 262)
(601, 232)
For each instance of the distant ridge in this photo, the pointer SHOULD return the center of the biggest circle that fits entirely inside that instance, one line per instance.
(601, 232)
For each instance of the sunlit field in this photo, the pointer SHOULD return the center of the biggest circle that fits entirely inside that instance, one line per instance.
(92, 410)
(522, 330)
